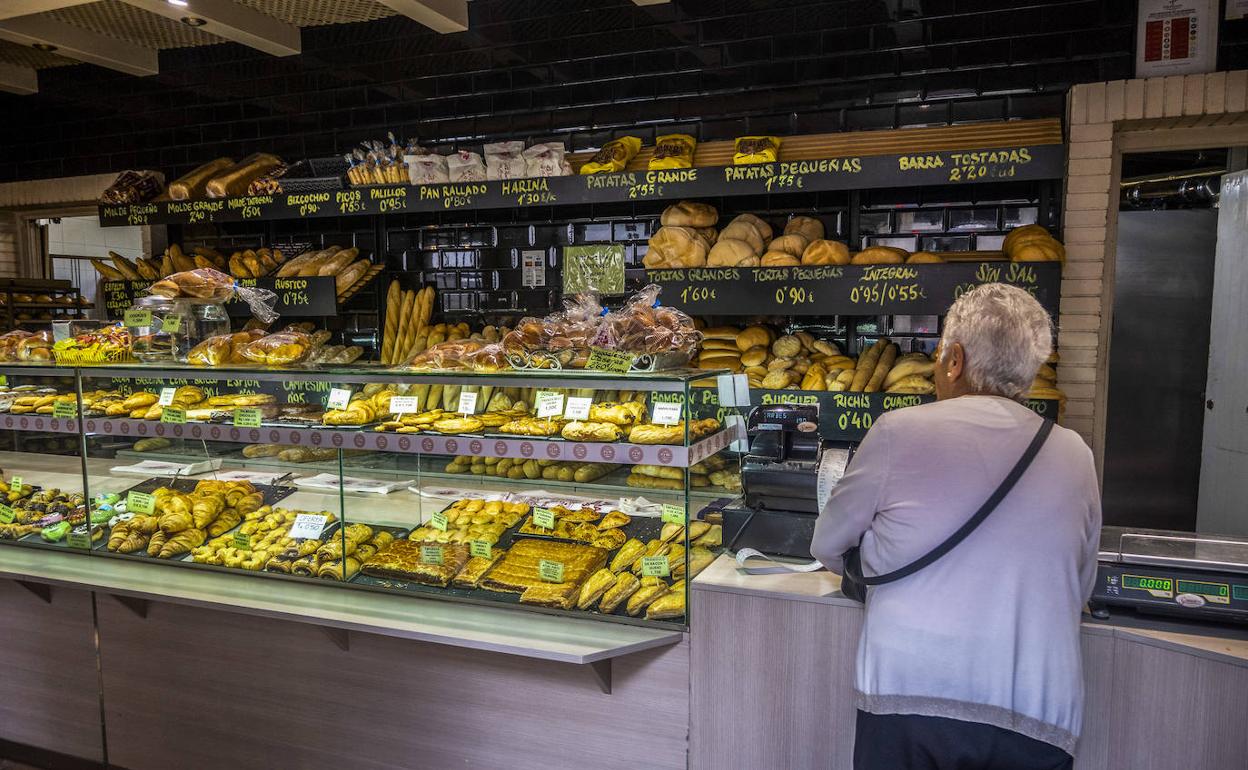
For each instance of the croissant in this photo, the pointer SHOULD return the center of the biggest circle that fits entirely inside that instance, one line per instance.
(205, 510)
(182, 543)
(174, 521)
(228, 519)
(156, 543)
(249, 503)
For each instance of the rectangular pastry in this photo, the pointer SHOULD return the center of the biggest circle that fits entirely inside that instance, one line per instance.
(402, 559)
(470, 576)
(517, 571)
(558, 595)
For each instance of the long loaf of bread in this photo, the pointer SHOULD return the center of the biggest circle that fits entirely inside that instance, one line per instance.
(393, 296)
(193, 185)
(866, 365)
(236, 179)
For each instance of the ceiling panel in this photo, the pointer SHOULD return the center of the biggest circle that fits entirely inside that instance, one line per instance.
(25, 56)
(133, 25)
(314, 13)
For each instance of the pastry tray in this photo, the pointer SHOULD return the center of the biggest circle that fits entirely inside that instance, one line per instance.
(398, 532)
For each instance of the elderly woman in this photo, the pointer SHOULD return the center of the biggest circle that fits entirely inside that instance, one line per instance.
(973, 660)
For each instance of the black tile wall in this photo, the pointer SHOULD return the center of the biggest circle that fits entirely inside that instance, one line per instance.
(531, 68)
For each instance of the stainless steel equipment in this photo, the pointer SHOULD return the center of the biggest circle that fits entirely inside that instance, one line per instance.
(1172, 573)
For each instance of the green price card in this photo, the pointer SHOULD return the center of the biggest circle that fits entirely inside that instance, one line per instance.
(673, 514)
(431, 554)
(480, 549)
(79, 540)
(655, 566)
(544, 518)
(140, 502)
(242, 541)
(438, 521)
(603, 360)
(65, 409)
(15, 484)
(247, 417)
(550, 571)
(6, 515)
(173, 415)
(136, 318)
(171, 324)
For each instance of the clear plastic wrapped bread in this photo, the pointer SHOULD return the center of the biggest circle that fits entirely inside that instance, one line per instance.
(280, 349)
(207, 283)
(643, 325)
(571, 329)
(450, 355)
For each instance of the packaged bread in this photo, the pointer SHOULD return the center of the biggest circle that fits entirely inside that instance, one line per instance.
(672, 247)
(427, 169)
(465, 166)
(207, 283)
(194, 184)
(673, 151)
(808, 227)
(825, 252)
(504, 160)
(214, 351)
(756, 149)
(730, 252)
(545, 160)
(280, 349)
(689, 214)
(880, 255)
(236, 179)
(642, 325)
(614, 156)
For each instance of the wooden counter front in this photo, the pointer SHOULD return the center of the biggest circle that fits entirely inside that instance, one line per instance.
(773, 664)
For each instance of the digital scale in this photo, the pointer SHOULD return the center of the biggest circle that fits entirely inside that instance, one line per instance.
(1172, 573)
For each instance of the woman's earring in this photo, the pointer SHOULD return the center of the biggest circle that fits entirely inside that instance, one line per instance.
(949, 375)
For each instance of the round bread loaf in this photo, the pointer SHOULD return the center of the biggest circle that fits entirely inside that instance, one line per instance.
(880, 255)
(675, 247)
(761, 225)
(744, 231)
(1036, 251)
(1036, 238)
(708, 234)
(809, 227)
(690, 214)
(1019, 232)
(729, 252)
(755, 356)
(794, 244)
(752, 336)
(825, 252)
(923, 257)
(779, 259)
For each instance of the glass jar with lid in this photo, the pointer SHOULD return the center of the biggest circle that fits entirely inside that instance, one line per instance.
(166, 329)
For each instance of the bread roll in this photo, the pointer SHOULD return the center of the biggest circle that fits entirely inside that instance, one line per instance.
(808, 227)
(1020, 232)
(675, 247)
(689, 214)
(763, 228)
(720, 344)
(755, 356)
(779, 259)
(824, 252)
(729, 252)
(793, 244)
(720, 333)
(879, 255)
(1036, 251)
(744, 231)
(752, 336)
(923, 257)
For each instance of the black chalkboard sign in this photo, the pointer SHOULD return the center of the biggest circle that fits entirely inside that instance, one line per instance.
(841, 173)
(922, 289)
(295, 296)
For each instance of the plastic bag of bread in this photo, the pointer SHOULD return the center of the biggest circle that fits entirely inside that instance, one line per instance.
(643, 325)
(672, 247)
(427, 169)
(452, 355)
(464, 166)
(237, 178)
(673, 151)
(280, 349)
(614, 156)
(207, 283)
(545, 160)
(133, 187)
(756, 149)
(504, 160)
(214, 351)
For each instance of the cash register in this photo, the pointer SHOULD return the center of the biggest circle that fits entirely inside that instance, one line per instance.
(786, 475)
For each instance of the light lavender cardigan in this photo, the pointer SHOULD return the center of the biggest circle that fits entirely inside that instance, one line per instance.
(990, 632)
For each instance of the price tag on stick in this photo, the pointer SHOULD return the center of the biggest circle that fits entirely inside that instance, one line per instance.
(665, 413)
(480, 549)
(166, 396)
(550, 571)
(172, 415)
(307, 526)
(549, 404)
(655, 566)
(338, 398)
(577, 408)
(140, 502)
(404, 404)
(431, 554)
(6, 514)
(673, 514)
(171, 324)
(544, 518)
(467, 402)
(438, 521)
(137, 318)
(247, 417)
(79, 540)
(242, 541)
(15, 484)
(65, 409)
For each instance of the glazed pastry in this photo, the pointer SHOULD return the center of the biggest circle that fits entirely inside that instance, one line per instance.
(470, 576)
(614, 519)
(651, 588)
(669, 605)
(594, 588)
(558, 595)
(628, 552)
(592, 431)
(626, 583)
(626, 413)
(518, 571)
(610, 539)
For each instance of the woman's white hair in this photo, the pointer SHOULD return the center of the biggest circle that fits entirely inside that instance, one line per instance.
(1006, 336)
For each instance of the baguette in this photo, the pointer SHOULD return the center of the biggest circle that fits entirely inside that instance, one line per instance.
(881, 369)
(253, 263)
(338, 262)
(125, 267)
(312, 267)
(238, 268)
(292, 267)
(181, 262)
(166, 265)
(146, 269)
(107, 271)
(203, 262)
(212, 254)
(393, 295)
(347, 278)
(866, 365)
(236, 179)
(407, 325)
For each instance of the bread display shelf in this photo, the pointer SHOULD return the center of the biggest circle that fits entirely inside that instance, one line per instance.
(919, 289)
(414, 443)
(310, 296)
(998, 160)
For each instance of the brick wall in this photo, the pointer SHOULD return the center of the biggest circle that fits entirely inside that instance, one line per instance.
(534, 69)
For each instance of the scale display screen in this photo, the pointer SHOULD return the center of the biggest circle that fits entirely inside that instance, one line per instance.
(1221, 590)
(1143, 583)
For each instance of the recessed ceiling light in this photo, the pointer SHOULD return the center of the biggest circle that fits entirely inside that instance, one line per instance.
(194, 21)
(179, 3)
(43, 46)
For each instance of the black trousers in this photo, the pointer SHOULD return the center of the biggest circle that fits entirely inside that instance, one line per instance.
(911, 742)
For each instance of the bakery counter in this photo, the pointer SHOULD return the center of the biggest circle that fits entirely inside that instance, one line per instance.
(790, 700)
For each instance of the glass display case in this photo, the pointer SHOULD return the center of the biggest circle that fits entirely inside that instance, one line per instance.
(580, 492)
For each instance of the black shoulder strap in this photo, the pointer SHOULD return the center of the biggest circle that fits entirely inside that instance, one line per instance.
(1046, 426)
